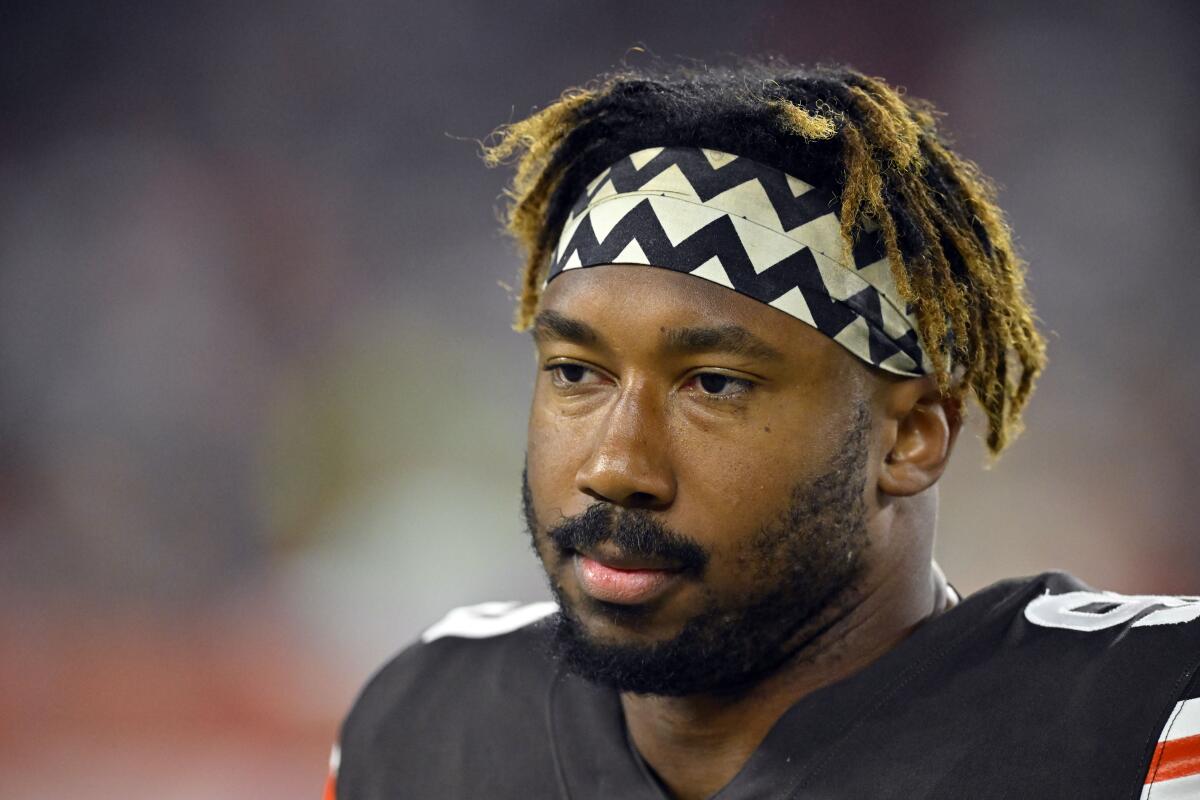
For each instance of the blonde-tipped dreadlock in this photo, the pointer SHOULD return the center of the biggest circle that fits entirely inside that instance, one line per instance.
(950, 250)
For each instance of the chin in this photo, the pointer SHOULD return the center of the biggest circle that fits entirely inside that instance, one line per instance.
(619, 624)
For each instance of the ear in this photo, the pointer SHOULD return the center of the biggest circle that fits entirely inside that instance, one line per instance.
(920, 427)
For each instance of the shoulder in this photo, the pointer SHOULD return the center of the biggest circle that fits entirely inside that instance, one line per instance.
(1043, 686)
(472, 651)
(474, 680)
(1116, 672)
(1055, 623)
(1147, 642)
(1149, 646)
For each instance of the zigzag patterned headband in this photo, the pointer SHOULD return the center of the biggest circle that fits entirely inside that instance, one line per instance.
(751, 228)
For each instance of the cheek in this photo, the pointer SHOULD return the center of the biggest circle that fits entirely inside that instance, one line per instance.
(733, 482)
(554, 454)
(751, 467)
(729, 487)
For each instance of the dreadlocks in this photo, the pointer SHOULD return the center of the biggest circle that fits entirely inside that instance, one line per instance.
(949, 248)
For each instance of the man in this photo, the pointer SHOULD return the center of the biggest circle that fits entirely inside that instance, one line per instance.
(759, 300)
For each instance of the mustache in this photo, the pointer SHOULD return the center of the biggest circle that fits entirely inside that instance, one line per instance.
(634, 532)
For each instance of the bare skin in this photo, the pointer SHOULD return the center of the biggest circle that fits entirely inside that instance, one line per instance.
(623, 413)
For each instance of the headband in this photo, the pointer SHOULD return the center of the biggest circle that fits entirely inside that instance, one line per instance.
(751, 228)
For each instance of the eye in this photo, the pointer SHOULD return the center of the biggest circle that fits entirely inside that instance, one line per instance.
(568, 375)
(720, 385)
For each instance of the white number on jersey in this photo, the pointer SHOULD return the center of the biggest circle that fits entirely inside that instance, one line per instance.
(1095, 611)
(488, 619)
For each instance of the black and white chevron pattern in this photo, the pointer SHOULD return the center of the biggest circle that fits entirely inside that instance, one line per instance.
(752, 228)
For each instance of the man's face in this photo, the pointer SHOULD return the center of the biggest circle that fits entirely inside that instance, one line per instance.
(697, 478)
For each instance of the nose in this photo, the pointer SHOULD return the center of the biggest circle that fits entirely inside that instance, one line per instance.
(629, 464)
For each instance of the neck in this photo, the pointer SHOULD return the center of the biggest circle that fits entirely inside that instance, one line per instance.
(696, 744)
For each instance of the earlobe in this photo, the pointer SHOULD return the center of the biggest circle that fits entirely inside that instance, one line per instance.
(922, 427)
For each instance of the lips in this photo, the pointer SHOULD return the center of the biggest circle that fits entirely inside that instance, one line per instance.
(626, 580)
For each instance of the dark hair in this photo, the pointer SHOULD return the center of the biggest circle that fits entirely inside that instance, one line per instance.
(950, 250)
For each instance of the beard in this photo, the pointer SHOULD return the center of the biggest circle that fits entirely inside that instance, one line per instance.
(800, 569)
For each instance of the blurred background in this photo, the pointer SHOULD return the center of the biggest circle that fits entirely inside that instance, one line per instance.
(261, 412)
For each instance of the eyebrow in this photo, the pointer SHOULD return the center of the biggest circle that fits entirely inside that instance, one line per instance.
(733, 339)
(551, 325)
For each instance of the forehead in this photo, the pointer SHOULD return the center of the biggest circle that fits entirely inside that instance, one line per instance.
(654, 294)
(634, 301)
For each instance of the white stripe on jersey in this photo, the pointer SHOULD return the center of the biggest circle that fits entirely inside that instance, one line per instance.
(1185, 788)
(1184, 720)
(484, 620)
(1175, 757)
